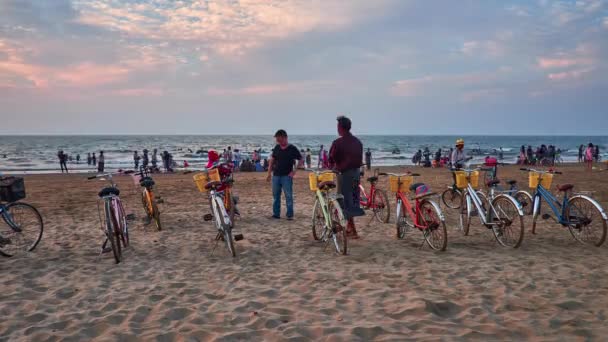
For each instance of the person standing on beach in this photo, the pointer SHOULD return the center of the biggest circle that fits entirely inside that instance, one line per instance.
(580, 153)
(154, 158)
(345, 156)
(321, 154)
(94, 160)
(102, 162)
(596, 154)
(89, 158)
(63, 158)
(136, 159)
(145, 159)
(459, 156)
(236, 159)
(308, 158)
(368, 159)
(589, 156)
(282, 169)
(78, 159)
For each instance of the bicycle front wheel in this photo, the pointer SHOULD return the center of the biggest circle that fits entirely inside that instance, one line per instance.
(381, 206)
(508, 225)
(435, 233)
(156, 215)
(226, 231)
(111, 234)
(526, 202)
(465, 214)
(338, 223)
(23, 231)
(452, 198)
(318, 221)
(585, 221)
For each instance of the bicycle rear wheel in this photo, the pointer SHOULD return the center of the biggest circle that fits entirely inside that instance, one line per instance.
(381, 207)
(452, 198)
(435, 233)
(525, 199)
(23, 231)
(110, 232)
(509, 225)
(586, 223)
(403, 221)
(226, 231)
(318, 221)
(338, 227)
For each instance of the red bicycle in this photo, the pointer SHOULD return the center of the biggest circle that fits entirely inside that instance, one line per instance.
(376, 199)
(425, 215)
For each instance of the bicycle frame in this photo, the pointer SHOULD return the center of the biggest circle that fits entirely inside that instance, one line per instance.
(403, 201)
(6, 216)
(542, 193)
(485, 218)
(219, 209)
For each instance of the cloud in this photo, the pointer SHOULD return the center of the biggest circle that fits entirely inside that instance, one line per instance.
(563, 62)
(568, 75)
(488, 48)
(299, 87)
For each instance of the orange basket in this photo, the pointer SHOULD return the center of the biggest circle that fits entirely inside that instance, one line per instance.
(462, 181)
(545, 179)
(314, 180)
(400, 184)
(201, 179)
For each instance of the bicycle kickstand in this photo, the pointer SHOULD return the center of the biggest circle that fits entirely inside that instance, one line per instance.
(217, 241)
(371, 219)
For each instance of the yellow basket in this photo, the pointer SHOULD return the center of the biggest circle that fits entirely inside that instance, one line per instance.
(201, 179)
(462, 182)
(314, 180)
(394, 185)
(545, 179)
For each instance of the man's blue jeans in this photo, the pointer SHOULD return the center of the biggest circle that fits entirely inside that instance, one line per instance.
(284, 184)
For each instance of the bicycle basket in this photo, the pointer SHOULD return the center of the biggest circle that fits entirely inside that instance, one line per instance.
(394, 185)
(201, 179)
(12, 189)
(545, 179)
(462, 182)
(314, 180)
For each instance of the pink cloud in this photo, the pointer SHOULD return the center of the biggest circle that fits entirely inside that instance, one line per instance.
(303, 87)
(137, 92)
(568, 75)
(562, 62)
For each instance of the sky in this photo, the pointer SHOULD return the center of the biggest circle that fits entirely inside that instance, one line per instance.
(253, 66)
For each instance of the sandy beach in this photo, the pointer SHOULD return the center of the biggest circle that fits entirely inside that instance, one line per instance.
(285, 286)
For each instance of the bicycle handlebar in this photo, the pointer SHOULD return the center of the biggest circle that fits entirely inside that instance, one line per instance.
(399, 174)
(542, 171)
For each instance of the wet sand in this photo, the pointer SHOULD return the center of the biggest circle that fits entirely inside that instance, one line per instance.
(285, 286)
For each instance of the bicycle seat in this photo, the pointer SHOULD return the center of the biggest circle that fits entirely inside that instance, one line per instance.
(511, 182)
(492, 182)
(415, 186)
(372, 179)
(327, 185)
(213, 185)
(565, 187)
(147, 182)
(426, 194)
(109, 191)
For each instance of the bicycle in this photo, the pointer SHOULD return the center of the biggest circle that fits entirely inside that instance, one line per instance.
(376, 200)
(503, 215)
(452, 196)
(148, 199)
(211, 183)
(328, 222)
(577, 212)
(492, 182)
(114, 220)
(426, 215)
(24, 222)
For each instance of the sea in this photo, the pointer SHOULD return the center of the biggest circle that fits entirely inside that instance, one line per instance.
(38, 154)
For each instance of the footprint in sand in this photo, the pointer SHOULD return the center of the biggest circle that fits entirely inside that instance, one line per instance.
(442, 309)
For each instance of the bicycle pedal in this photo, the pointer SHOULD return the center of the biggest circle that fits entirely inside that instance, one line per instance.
(207, 217)
(130, 217)
(546, 216)
(160, 201)
(238, 237)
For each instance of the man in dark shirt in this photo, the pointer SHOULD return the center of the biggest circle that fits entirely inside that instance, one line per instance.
(281, 169)
(346, 157)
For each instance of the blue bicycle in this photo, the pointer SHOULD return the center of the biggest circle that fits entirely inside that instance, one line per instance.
(584, 217)
(23, 229)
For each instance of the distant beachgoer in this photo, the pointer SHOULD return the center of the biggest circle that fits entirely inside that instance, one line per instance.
(346, 154)
(281, 171)
(237, 159)
(89, 158)
(368, 159)
(94, 160)
(530, 155)
(254, 156)
(265, 165)
(308, 158)
(580, 154)
(325, 159)
(144, 159)
(596, 154)
(558, 156)
(63, 158)
(136, 159)
(78, 159)
(229, 155)
(501, 154)
(320, 156)
(154, 159)
(427, 157)
(186, 164)
(522, 156)
(102, 162)
(589, 156)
